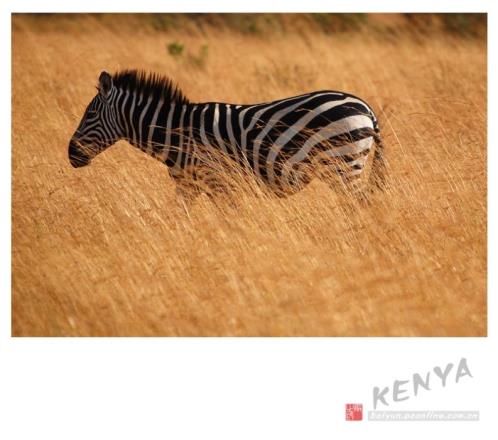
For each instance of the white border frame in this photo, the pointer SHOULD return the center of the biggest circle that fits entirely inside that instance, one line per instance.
(250, 388)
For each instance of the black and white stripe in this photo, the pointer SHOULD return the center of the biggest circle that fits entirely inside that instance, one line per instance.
(282, 141)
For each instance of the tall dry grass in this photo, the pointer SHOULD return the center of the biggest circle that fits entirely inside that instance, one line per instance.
(105, 250)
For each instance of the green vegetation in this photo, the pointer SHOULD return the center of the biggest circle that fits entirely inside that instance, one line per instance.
(465, 24)
(333, 23)
(175, 49)
(198, 59)
(259, 25)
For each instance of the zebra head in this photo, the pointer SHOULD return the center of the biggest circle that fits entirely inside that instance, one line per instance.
(98, 128)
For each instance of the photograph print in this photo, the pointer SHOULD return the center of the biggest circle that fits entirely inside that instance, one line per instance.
(249, 174)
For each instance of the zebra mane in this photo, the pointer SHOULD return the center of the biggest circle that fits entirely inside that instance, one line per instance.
(148, 84)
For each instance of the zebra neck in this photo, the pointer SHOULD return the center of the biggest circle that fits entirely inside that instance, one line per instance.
(159, 128)
(170, 132)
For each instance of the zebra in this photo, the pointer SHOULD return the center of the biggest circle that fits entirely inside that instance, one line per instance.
(281, 142)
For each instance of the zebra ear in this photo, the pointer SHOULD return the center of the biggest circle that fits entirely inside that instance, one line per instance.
(105, 84)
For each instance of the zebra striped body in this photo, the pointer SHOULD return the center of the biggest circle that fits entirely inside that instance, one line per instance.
(281, 141)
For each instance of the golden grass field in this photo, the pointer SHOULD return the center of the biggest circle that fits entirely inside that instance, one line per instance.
(105, 250)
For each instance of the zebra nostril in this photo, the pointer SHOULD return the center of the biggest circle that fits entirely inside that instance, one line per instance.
(77, 157)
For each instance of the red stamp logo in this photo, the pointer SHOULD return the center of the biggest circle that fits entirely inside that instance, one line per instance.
(354, 411)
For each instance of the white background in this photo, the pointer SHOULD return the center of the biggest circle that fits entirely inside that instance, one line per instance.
(233, 388)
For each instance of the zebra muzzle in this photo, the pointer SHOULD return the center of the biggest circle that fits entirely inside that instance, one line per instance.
(77, 157)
